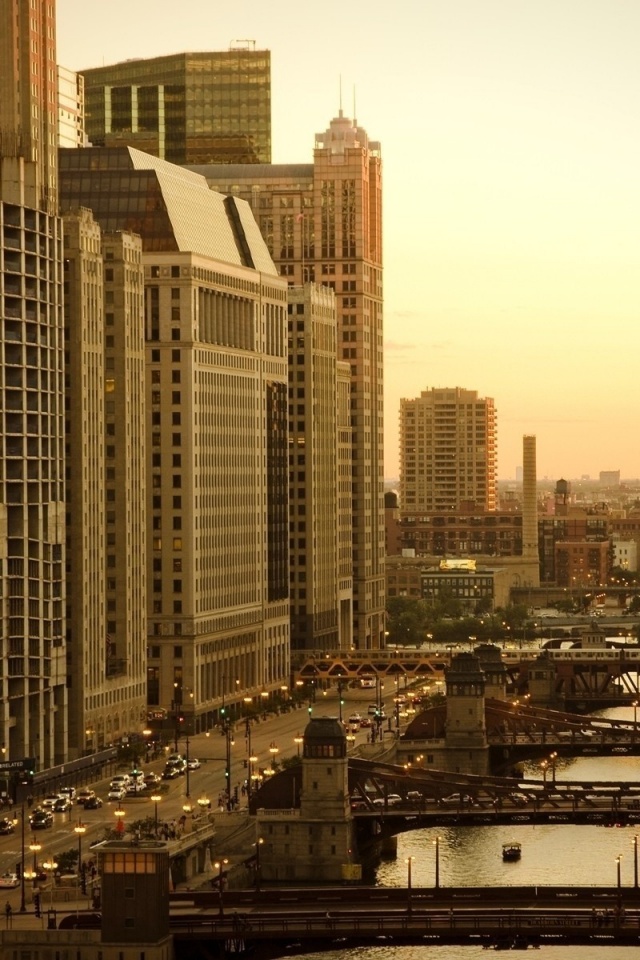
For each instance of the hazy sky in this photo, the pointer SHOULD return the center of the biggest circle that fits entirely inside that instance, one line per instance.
(511, 152)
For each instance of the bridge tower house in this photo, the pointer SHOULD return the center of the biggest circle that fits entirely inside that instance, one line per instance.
(467, 748)
(495, 672)
(541, 681)
(317, 842)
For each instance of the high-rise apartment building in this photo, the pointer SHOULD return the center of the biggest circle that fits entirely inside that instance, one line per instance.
(322, 222)
(70, 108)
(447, 452)
(321, 600)
(216, 429)
(185, 107)
(32, 550)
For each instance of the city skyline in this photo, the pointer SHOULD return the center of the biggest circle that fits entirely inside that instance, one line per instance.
(511, 196)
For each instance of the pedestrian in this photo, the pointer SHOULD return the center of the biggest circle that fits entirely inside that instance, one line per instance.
(8, 912)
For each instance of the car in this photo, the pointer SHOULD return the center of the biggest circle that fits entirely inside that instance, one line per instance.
(135, 786)
(358, 803)
(151, 780)
(68, 792)
(193, 763)
(391, 800)
(414, 796)
(365, 722)
(170, 772)
(50, 801)
(84, 795)
(62, 805)
(458, 800)
(6, 826)
(121, 780)
(93, 803)
(116, 793)
(41, 819)
(9, 881)
(355, 719)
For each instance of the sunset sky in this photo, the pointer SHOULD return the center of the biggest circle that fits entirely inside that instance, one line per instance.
(511, 151)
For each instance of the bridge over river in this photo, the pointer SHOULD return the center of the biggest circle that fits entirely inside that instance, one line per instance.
(273, 923)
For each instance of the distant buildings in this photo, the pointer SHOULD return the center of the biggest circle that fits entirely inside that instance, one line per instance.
(447, 452)
(210, 107)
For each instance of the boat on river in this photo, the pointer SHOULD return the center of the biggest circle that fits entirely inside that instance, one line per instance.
(511, 852)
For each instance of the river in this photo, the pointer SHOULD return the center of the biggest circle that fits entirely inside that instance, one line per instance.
(551, 854)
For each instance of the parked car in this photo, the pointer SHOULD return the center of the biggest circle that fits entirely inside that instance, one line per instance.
(6, 826)
(41, 819)
(62, 805)
(116, 793)
(84, 795)
(93, 803)
(9, 881)
(194, 763)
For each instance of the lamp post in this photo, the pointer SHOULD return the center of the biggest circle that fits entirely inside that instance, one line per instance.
(543, 766)
(436, 843)
(298, 740)
(23, 908)
(247, 737)
(51, 866)
(227, 767)
(156, 798)
(273, 750)
(80, 830)
(409, 861)
(119, 813)
(220, 865)
(35, 848)
(635, 860)
(553, 758)
(259, 843)
(619, 877)
(635, 717)
(188, 771)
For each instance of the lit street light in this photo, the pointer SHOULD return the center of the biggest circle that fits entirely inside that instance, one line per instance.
(409, 861)
(298, 740)
(156, 798)
(436, 843)
(51, 866)
(634, 842)
(79, 830)
(220, 865)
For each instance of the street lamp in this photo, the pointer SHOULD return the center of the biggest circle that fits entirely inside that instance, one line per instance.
(51, 866)
(119, 813)
(259, 843)
(23, 907)
(618, 876)
(220, 865)
(79, 830)
(35, 848)
(156, 798)
(298, 740)
(409, 861)
(635, 860)
(553, 758)
(273, 750)
(436, 843)
(543, 766)
(635, 717)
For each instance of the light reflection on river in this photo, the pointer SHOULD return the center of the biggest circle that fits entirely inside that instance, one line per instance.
(472, 856)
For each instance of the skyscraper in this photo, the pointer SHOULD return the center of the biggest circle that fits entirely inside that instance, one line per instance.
(216, 429)
(322, 222)
(447, 452)
(320, 581)
(32, 537)
(186, 107)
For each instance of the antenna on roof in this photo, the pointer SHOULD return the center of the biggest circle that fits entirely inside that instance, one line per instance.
(340, 89)
(354, 106)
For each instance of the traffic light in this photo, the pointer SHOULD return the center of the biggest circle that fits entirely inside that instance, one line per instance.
(28, 771)
(36, 904)
(310, 710)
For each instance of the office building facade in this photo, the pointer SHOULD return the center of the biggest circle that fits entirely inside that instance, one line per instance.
(322, 223)
(105, 484)
(447, 452)
(32, 550)
(321, 614)
(186, 107)
(216, 430)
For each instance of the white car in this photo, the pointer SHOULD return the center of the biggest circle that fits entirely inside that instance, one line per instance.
(194, 763)
(116, 793)
(9, 881)
(50, 800)
(121, 780)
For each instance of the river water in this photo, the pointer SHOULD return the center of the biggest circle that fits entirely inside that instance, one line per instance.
(551, 854)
